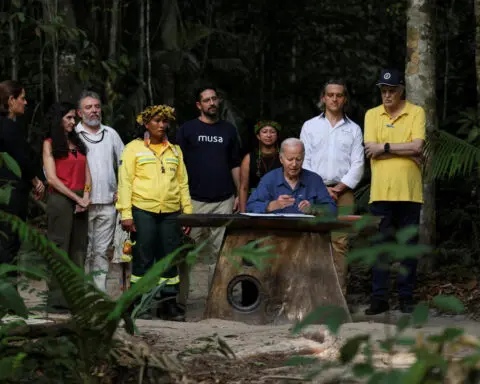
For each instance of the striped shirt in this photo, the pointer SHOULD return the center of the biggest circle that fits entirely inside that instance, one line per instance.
(104, 152)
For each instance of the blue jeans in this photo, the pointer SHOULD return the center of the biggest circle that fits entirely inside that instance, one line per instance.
(396, 215)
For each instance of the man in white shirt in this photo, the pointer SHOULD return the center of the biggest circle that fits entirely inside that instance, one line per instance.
(104, 150)
(334, 150)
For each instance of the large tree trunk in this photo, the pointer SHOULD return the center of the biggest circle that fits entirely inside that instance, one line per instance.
(141, 53)
(13, 48)
(420, 81)
(149, 57)
(112, 50)
(477, 51)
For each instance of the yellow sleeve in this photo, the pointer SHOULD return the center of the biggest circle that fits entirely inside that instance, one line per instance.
(369, 128)
(418, 126)
(185, 199)
(126, 175)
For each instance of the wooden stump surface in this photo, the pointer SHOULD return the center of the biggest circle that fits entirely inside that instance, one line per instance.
(301, 277)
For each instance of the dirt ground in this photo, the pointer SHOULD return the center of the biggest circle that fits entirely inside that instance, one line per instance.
(204, 346)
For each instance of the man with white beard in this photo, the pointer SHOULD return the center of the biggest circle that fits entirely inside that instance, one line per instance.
(104, 150)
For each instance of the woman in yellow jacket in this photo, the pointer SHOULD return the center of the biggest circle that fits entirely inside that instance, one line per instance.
(152, 192)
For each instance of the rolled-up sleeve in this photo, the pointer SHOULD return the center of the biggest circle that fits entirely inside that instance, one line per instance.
(260, 198)
(357, 162)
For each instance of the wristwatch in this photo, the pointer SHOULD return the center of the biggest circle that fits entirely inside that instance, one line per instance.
(386, 148)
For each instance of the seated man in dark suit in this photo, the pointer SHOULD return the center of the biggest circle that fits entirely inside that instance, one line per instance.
(291, 189)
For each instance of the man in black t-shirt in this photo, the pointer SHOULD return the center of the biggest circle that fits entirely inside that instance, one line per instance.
(211, 151)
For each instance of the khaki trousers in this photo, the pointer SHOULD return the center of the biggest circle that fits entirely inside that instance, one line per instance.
(213, 236)
(340, 242)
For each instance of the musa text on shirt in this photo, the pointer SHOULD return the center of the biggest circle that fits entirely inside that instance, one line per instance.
(210, 139)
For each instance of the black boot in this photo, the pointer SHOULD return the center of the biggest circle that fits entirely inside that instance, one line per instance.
(170, 310)
(377, 306)
(406, 304)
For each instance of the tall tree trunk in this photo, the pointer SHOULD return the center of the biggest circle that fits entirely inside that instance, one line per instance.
(450, 16)
(149, 58)
(209, 22)
(420, 81)
(293, 73)
(141, 53)
(50, 11)
(477, 51)
(13, 48)
(112, 49)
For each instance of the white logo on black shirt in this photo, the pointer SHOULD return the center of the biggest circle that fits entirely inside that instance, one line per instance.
(210, 139)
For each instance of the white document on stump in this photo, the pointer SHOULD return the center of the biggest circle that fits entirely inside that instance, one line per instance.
(277, 214)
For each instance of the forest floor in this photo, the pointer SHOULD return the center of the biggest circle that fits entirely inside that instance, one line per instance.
(260, 352)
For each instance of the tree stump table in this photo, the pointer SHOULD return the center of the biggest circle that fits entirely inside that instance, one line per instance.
(300, 278)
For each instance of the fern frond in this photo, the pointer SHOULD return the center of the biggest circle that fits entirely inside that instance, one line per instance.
(451, 156)
(148, 281)
(90, 307)
(94, 313)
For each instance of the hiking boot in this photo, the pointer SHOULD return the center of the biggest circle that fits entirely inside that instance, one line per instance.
(376, 307)
(170, 310)
(406, 304)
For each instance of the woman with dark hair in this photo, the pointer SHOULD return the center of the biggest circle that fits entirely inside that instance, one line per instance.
(13, 143)
(261, 161)
(68, 176)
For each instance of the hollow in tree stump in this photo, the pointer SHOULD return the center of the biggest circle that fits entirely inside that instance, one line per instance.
(300, 278)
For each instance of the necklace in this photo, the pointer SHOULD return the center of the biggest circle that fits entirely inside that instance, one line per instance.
(84, 135)
(159, 157)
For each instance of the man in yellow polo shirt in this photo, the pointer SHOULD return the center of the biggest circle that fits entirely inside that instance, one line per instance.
(394, 138)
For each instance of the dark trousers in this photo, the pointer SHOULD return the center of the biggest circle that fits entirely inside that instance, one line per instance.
(69, 231)
(396, 215)
(158, 234)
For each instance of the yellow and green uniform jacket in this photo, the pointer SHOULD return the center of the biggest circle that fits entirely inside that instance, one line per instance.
(153, 182)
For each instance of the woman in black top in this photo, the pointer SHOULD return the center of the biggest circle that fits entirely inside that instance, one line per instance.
(13, 142)
(261, 161)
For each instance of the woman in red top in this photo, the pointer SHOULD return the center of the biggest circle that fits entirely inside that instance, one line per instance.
(68, 176)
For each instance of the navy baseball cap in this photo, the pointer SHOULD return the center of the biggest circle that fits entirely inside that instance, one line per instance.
(391, 77)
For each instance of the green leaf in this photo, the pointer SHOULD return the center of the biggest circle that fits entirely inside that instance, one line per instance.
(30, 271)
(472, 360)
(407, 234)
(378, 378)
(350, 348)
(362, 369)
(333, 317)
(403, 323)
(452, 333)
(448, 334)
(10, 163)
(416, 372)
(395, 376)
(420, 314)
(11, 300)
(448, 303)
(9, 365)
(5, 194)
